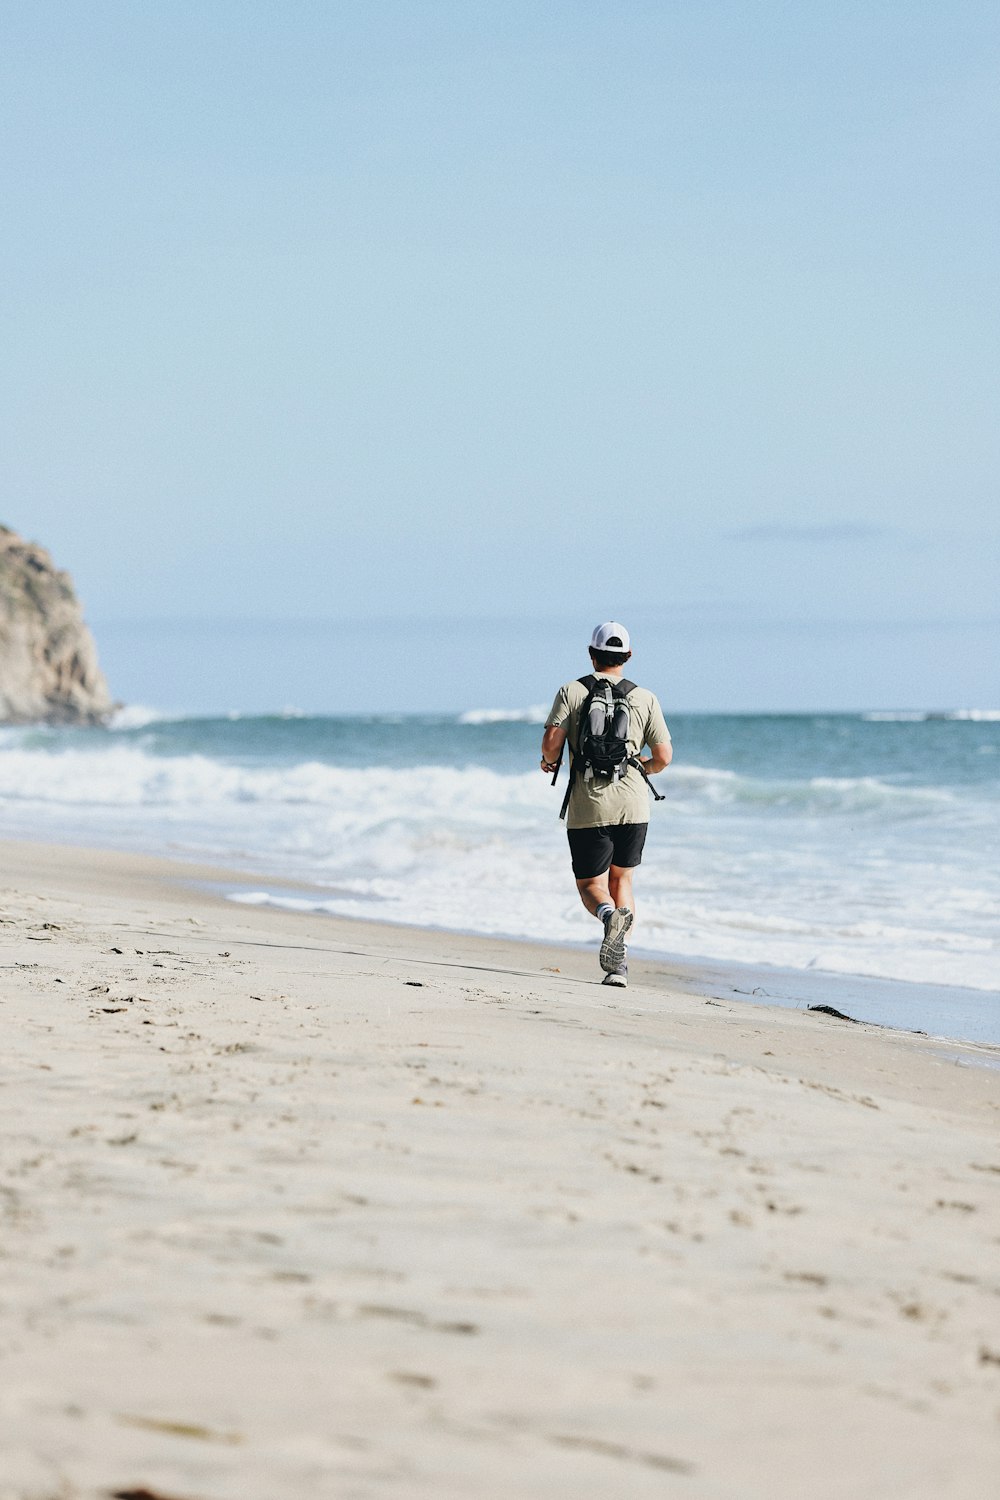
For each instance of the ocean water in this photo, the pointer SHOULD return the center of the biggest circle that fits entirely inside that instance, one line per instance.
(851, 844)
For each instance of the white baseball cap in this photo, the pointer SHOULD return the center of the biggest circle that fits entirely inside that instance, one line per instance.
(611, 636)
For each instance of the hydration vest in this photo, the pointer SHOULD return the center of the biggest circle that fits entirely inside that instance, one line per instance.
(602, 753)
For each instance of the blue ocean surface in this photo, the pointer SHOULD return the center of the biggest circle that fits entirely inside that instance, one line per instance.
(858, 844)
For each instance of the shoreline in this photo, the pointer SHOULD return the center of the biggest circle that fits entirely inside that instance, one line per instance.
(873, 996)
(898, 1004)
(296, 1206)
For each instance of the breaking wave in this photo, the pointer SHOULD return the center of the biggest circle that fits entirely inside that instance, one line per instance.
(535, 715)
(127, 775)
(894, 874)
(927, 716)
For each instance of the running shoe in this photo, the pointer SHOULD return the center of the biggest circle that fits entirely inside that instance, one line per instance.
(616, 925)
(618, 978)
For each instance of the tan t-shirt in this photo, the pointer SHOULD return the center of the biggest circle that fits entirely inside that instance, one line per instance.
(599, 804)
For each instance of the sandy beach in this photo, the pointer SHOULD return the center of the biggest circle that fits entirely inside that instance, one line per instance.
(295, 1207)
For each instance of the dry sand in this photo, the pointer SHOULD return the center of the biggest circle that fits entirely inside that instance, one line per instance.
(296, 1208)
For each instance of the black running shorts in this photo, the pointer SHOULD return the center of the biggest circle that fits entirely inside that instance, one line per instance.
(595, 850)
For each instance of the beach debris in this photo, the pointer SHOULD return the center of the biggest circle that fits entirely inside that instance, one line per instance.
(414, 1317)
(179, 1429)
(142, 1493)
(98, 989)
(547, 970)
(605, 1449)
(115, 950)
(112, 1010)
(834, 1093)
(829, 1010)
(417, 984)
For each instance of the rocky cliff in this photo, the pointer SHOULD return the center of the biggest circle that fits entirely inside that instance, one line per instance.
(48, 661)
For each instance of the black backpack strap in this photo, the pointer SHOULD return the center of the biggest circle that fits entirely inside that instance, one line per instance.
(590, 683)
(635, 761)
(619, 689)
(622, 688)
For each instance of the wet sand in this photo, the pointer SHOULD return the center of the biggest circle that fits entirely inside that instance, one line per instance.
(295, 1208)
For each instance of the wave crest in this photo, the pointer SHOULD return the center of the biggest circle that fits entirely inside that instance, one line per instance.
(823, 871)
(534, 715)
(117, 774)
(926, 716)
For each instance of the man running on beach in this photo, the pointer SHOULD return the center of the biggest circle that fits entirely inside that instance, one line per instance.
(607, 818)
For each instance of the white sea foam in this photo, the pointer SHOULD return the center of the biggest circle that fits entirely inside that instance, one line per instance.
(923, 716)
(134, 716)
(534, 715)
(853, 874)
(896, 716)
(115, 774)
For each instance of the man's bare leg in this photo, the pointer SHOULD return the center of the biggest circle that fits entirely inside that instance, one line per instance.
(595, 892)
(613, 888)
(620, 887)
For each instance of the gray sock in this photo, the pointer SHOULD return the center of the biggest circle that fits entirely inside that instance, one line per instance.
(604, 911)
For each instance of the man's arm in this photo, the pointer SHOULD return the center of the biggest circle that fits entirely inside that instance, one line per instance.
(553, 741)
(656, 737)
(660, 757)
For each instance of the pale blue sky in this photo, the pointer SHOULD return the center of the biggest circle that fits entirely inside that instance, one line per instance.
(468, 309)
